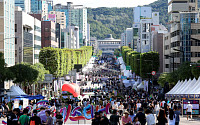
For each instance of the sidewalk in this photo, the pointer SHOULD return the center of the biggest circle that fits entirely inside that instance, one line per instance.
(193, 121)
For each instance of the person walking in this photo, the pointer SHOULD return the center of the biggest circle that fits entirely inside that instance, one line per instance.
(162, 119)
(35, 120)
(141, 116)
(132, 115)
(150, 117)
(96, 119)
(171, 117)
(189, 110)
(121, 108)
(49, 120)
(12, 118)
(103, 119)
(24, 119)
(177, 113)
(157, 108)
(114, 118)
(59, 118)
(126, 119)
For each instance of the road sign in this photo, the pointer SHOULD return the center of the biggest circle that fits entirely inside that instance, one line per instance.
(153, 73)
(128, 68)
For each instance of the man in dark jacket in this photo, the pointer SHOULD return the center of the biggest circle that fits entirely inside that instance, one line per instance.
(141, 116)
(103, 119)
(114, 118)
(12, 118)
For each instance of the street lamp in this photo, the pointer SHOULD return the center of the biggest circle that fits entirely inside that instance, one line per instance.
(172, 58)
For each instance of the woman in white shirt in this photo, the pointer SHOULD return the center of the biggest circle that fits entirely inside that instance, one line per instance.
(150, 117)
(138, 105)
(171, 117)
(121, 108)
(157, 108)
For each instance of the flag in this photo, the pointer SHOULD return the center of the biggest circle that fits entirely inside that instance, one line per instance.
(4, 122)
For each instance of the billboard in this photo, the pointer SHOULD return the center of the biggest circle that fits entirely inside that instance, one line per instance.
(52, 17)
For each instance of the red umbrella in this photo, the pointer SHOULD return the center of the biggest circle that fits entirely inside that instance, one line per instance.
(72, 88)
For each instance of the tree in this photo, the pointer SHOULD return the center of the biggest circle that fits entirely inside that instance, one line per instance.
(24, 73)
(163, 79)
(41, 72)
(196, 71)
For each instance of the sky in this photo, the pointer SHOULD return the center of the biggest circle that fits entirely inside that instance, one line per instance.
(106, 3)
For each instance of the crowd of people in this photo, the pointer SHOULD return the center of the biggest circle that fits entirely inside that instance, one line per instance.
(128, 106)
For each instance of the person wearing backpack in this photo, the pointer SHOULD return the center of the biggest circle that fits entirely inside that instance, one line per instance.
(35, 120)
(24, 119)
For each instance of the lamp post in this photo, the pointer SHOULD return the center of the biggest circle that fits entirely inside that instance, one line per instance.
(172, 58)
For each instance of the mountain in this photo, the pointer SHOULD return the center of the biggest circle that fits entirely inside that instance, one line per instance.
(114, 21)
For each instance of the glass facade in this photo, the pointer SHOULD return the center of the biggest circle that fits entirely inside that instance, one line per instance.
(9, 34)
(36, 6)
(28, 47)
(185, 34)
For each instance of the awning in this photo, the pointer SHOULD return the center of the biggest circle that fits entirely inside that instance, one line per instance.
(15, 91)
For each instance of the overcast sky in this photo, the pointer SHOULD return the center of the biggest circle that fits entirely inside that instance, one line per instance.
(106, 3)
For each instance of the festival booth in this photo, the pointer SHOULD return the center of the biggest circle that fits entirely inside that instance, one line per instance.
(187, 91)
(15, 91)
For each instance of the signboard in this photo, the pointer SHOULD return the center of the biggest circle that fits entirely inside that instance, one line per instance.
(194, 103)
(48, 79)
(16, 103)
(153, 73)
(25, 103)
(128, 68)
(52, 17)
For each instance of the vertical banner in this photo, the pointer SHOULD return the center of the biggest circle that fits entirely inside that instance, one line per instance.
(55, 86)
(16, 103)
(25, 103)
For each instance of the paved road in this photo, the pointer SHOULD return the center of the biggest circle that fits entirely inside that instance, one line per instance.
(183, 121)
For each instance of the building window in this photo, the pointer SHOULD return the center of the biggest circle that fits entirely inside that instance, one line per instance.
(166, 65)
(15, 27)
(15, 40)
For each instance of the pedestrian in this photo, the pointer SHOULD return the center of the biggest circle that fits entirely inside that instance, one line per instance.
(103, 119)
(141, 116)
(54, 118)
(157, 108)
(138, 105)
(121, 108)
(136, 121)
(171, 117)
(189, 110)
(59, 118)
(35, 120)
(96, 119)
(42, 115)
(49, 120)
(115, 106)
(150, 117)
(114, 118)
(132, 115)
(162, 119)
(126, 119)
(12, 118)
(24, 119)
(177, 112)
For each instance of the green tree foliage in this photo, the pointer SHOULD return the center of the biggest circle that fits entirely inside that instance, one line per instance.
(114, 21)
(60, 61)
(196, 70)
(41, 72)
(148, 62)
(162, 79)
(24, 73)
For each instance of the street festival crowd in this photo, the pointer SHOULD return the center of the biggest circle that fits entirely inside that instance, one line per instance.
(127, 106)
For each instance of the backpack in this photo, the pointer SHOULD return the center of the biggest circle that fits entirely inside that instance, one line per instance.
(32, 123)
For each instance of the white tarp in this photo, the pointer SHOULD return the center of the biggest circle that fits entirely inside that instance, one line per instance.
(186, 87)
(128, 83)
(15, 91)
(140, 86)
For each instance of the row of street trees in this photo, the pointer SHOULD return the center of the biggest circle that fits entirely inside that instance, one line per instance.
(141, 63)
(185, 71)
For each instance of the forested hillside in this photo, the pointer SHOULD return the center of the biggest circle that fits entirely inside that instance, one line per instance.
(114, 21)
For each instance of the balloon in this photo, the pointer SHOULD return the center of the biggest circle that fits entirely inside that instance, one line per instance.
(77, 118)
(76, 112)
(107, 108)
(72, 88)
(42, 101)
(68, 112)
(88, 117)
(64, 113)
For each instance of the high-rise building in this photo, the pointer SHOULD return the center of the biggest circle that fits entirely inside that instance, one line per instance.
(60, 17)
(7, 31)
(72, 37)
(28, 44)
(50, 5)
(24, 4)
(40, 7)
(123, 39)
(184, 35)
(49, 34)
(128, 36)
(88, 34)
(76, 15)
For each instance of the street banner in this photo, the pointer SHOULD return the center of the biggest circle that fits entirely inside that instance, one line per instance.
(25, 103)
(55, 86)
(16, 103)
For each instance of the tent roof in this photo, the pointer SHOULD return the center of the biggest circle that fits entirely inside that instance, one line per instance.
(15, 91)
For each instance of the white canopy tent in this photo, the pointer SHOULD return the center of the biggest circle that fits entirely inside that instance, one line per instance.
(15, 91)
(190, 87)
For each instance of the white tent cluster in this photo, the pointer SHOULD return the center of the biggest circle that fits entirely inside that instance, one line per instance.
(15, 91)
(185, 88)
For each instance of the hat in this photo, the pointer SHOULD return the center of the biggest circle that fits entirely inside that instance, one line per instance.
(188, 102)
(126, 112)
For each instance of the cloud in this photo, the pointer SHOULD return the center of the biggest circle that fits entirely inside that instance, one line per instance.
(107, 3)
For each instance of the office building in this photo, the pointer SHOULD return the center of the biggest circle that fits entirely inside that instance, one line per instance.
(72, 37)
(60, 17)
(128, 36)
(108, 45)
(24, 4)
(184, 35)
(93, 43)
(28, 43)
(76, 15)
(143, 17)
(88, 34)
(48, 34)
(123, 39)
(40, 7)
(50, 5)
(7, 28)
(60, 35)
